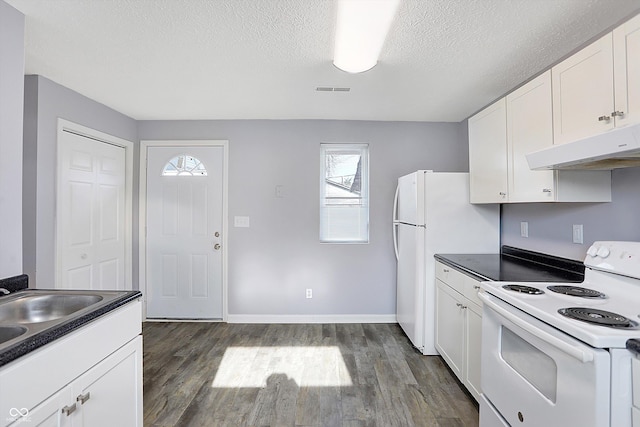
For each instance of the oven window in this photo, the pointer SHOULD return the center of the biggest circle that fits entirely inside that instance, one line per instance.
(532, 364)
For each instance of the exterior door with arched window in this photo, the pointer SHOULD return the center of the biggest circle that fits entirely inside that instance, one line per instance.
(184, 197)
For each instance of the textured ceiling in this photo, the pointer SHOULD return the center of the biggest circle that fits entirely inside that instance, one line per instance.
(263, 59)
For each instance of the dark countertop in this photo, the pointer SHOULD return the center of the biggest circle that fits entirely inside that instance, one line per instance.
(516, 265)
(46, 336)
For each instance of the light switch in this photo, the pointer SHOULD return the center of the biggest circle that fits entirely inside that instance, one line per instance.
(241, 221)
(578, 233)
(524, 229)
(280, 191)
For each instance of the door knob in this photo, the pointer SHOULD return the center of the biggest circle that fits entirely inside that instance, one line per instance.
(216, 246)
(216, 234)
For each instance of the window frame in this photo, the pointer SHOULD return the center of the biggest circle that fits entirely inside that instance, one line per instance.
(364, 204)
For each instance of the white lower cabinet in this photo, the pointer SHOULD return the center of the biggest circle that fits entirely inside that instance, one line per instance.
(450, 327)
(91, 377)
(49, 413)
(473, 341)
(104, 396)
(459, 325)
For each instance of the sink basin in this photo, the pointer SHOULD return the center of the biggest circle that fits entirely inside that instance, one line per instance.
(43, 308)
(10, 332)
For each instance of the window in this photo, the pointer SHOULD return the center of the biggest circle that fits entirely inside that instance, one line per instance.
(184, 165)
(344, 193)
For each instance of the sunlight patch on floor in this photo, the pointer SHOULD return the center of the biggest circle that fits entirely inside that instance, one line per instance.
(307, 366)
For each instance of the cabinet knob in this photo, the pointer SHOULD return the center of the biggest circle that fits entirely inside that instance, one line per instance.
(617, 114)
(83, 398)
(68, 410)
(446, 270)
(476, 287)
(604, 118)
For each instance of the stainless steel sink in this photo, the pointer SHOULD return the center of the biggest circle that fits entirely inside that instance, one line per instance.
(8, 333)
(27, 313)
(43, 308)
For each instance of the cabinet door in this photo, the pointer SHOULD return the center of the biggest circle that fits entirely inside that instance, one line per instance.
(473, 346)
(583, 92)
(49, 413)
(450, 327)
(626, 65)
(529, 129)
(488, 154)
(110, 394)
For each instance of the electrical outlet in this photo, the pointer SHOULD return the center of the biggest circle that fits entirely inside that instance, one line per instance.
(524, 229)
(578, 234)
(309, 293)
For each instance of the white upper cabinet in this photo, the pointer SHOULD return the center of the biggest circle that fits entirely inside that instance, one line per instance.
(499, 139)
(626, 68)
(583, 92)
(488, 154)
(598, 88)
(529, 128)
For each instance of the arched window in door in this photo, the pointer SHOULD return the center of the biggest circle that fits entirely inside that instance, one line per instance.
(184, 165)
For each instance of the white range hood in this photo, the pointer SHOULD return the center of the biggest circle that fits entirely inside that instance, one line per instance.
(618, 148)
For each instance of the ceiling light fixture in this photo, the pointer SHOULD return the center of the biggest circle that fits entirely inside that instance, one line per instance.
(361, 29)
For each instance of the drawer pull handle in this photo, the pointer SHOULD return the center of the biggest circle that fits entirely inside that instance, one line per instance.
(476, 287)
(617, 113)
(546, 190)
(83, 398)
(502, 193)
(68, 410)
(460, 306)
(445, 270)
(604, 118)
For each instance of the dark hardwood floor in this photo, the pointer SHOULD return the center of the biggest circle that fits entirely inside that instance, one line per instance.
(218, 374)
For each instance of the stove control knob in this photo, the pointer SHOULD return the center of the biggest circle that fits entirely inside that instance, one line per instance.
(592, 251)
(603, 252)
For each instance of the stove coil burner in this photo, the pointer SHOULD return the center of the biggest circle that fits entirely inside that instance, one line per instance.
(576, 291)
(597, 317)
(529, 290)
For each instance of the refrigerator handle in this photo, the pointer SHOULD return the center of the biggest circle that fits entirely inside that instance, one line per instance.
(395, 204)
(395, 240)
(395, 232)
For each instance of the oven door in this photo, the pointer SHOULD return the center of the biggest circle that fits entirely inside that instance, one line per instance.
(535, 375)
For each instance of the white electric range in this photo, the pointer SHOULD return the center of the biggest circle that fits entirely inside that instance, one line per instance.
(554, 354)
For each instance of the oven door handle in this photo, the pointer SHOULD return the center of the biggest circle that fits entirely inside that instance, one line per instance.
(567, 348)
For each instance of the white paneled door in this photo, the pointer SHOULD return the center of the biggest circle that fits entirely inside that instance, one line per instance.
(184, 227)
(91, 210)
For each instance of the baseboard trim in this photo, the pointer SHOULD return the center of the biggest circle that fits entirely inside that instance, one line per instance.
(311, 318)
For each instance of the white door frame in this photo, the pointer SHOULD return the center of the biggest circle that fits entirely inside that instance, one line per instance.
(67, 126)
(142, 238)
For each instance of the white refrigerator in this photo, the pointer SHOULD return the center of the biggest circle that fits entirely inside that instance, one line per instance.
(432, 214)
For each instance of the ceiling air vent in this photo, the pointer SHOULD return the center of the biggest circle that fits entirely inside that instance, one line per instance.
(332, 89)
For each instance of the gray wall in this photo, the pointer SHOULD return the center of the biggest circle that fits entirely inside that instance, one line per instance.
(550, 225)
(11, 94)
(272, 262)
(45, 102)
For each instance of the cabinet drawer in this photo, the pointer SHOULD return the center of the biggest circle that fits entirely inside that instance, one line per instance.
(451, 277)
(471, 289)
